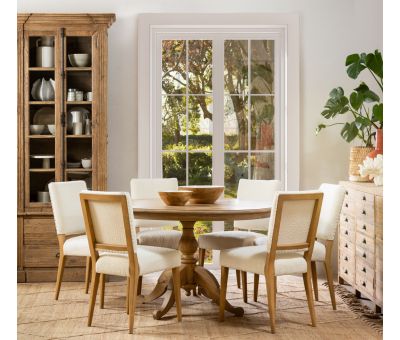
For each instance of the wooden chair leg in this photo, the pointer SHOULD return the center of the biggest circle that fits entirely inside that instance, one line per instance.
(102, 288)
(87, 273)
(256, 281)
(244, 285)
(238, 278)
(314, 279)
(202, 255)
(276, 288)
(222, 296)
(329, 277)
(93, 293)
(270, 283)
(127, 295)
(139, 287)
(60, 272)
(176, 278)
(133, 284)
(307, 286)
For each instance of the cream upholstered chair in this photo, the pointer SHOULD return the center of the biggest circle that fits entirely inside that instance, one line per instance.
(114, 250)
(328, 222)
(68, 219)
(248, 190)
(290, 243)
(150, 233)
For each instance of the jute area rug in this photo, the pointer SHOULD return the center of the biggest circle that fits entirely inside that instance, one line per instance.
(41, 317)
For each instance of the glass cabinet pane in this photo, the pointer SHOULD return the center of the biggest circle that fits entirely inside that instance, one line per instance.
(78, 98)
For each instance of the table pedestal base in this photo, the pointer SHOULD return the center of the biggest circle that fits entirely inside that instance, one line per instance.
(192, 277)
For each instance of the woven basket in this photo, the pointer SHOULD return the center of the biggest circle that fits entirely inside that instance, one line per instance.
(357, 156)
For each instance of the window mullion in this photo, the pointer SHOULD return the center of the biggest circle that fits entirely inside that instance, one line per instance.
(187, 112)
(249, 107)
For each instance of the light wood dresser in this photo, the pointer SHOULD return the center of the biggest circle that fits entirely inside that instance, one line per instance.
(361, 240)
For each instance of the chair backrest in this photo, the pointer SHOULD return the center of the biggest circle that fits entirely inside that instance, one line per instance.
(330, 211)
(256, 190)
(66, 206)
(294, 221)
(109, 222)
(148, 188)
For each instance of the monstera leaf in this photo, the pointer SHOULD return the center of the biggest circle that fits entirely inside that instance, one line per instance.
(336, 104)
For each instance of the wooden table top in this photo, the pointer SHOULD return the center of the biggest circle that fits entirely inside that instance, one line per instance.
(222, 210)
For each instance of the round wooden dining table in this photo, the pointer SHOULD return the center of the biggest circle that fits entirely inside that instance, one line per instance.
(192, 275)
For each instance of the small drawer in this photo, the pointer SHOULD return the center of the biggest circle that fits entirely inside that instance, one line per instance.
(347, 206)
(365, 255)
(346, 245)
(363, 268)
(346, 257)
(365, 284)
(365, 242)
(39, 231)
(47, 256)
(346, 270)
(364, 198)
(365, 213)
(365, 228)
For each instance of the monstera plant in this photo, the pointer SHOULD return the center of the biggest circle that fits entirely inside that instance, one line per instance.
(361, 110)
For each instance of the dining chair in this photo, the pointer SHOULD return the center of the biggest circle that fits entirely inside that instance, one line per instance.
(290, 243)
(248, 190)
(327, 225)
(110, 227)
(70, 227)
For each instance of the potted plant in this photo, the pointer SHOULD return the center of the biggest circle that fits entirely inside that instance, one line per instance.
(361, 111)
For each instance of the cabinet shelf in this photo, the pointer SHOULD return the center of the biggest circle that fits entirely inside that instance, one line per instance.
(78, 69)
(82, 102)
(78, 170)
(79, 136)
(42, 170)
(41, 68)
(41, 136)
(39, 102)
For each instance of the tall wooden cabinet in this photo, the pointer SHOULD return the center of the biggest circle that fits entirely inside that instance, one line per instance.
(361, 240)
(57, 54)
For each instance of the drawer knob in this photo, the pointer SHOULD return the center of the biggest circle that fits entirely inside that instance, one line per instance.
(364, 227)
(345, 271)
(58, 255)
(364, 284)
(364, 212)
(364, 269)
(346, 245)
(364, 255)
(364, 241)
(346, 258)
(346, 192)
(346, 205)
(364, 198)
(346, 232)
(346, 219)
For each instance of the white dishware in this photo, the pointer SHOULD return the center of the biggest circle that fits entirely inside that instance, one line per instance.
(43, 196)
(77, 128)
(87, 163)
(43, 89)
(52, 128)
(79, 96)
(45, 51)
(36, 129)
(77, 116)
(79, 59)
(88, 127)
(89, 96)
(45, 160)
(71, 96)
(85, 115)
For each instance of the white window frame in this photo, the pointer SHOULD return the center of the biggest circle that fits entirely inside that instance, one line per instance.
(155, 27)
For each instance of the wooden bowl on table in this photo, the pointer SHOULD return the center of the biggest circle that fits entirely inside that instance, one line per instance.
(204, 194)
(180, 197)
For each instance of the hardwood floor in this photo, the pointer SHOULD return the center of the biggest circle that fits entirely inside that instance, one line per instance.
(41, 317)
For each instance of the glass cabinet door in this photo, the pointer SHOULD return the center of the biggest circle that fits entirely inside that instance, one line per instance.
(41, 157)
(78, 98)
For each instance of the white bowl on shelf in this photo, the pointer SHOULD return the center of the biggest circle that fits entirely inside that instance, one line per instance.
(86, 163)
(79, 59)
(36, 129)
(52, 129)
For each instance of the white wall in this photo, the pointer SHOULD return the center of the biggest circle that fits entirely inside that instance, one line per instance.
(329, 31)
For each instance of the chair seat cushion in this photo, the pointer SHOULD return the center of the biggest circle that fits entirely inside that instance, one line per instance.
(260, 241)
(77, 246)
(252, 259)
(151, 259)
(318, 252)
(227, 239)
(159, 238)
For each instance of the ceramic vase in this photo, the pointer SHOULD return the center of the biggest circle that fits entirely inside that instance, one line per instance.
(379, 144)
